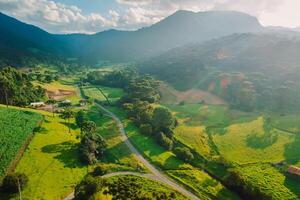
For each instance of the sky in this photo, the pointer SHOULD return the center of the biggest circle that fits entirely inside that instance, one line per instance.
(90, 16)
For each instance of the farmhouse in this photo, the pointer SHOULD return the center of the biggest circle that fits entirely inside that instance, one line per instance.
(37, 104)
(294, 171)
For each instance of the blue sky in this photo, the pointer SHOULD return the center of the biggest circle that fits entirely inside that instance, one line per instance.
(90, 16)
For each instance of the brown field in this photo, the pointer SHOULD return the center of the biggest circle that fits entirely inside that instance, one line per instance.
(170, 95)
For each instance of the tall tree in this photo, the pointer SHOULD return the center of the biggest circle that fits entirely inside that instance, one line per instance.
(67, 114)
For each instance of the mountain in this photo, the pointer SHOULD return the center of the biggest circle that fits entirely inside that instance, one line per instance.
(181, 28)
(275, 55)
(21, 44)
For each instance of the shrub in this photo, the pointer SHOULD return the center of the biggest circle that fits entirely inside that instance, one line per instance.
(184, 154)
(88, 187)
(99, 171)
(12, 182)
(164, 141)
(146, 129)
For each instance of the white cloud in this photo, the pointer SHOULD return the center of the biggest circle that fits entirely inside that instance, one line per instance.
(132, 14)
(57, 17)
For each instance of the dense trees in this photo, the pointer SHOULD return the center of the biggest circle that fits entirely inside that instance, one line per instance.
(14, 182)
(16, 89)
(80, 118)
(88, 187)
(184, 154)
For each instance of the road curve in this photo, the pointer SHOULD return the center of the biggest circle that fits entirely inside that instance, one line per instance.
(159, 176)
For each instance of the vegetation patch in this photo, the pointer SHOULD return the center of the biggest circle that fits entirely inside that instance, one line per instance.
(16, 127)
(52, 161)
(202, 184)
(250, 142)
(271, 182)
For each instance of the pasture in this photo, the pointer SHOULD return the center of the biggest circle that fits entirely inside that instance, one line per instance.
(16, 128)
(51, 161)
(94, 92)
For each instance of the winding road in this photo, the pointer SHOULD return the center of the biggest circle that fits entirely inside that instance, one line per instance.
(155, 173)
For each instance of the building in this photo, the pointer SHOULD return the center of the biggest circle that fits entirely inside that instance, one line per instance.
(295, 171)
(37, 104)
(83, 102)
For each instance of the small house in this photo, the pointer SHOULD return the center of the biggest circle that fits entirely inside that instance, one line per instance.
(295, 171)
(37, 104)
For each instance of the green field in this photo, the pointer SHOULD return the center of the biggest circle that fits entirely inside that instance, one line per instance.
(16, 127)
(202, 184)
(243, 138)
(94, 92)
(269, 180)
(51, 161)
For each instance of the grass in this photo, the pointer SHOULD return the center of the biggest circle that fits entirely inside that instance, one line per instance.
(195, 138)
(113, 94)
(202, 184)
(271, 181)
(249, 143)
(290, 123)
(16, 127)
(118, 157)
(148, 186)
(51, 161)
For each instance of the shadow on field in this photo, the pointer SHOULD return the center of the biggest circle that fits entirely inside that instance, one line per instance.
(67, 153)
(292, 184)
(257, 141)
(71, 125)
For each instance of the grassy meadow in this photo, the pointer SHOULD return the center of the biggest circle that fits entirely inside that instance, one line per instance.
(94, 92)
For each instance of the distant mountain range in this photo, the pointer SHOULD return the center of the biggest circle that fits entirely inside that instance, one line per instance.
(20, 41)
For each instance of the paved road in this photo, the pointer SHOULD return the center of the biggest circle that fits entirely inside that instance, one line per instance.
(159, 176)
(155, 173)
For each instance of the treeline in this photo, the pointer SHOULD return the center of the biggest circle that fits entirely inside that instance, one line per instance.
(253, 91)
(16, 88)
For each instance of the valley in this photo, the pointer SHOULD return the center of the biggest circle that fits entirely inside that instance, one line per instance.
(200, 105)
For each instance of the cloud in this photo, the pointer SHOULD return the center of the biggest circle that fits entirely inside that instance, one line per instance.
(58, 17)
(131, 14)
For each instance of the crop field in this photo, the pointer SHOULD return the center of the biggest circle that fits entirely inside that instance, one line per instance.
(249, 142)
(51, 161)
(270, 181)
(16, 127)
(117, 156)
(202, 184)
(113, 94)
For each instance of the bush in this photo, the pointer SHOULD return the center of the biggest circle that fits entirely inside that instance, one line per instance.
(12, 182)
(146, 129)
(88, 187)
(184, 154)
(164, 141)
(99, 171)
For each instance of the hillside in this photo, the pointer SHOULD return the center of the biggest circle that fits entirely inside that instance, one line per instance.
(275, 55)
(22, 44)
(181, 28)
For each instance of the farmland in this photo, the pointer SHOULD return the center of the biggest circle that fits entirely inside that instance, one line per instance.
(96, 92)
(16, 127)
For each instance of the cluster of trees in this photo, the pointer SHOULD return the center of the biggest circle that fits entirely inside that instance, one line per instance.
(116, 78)
(46, 77)
(92, 145)
(14, 183)
(124, 187)
(16, 88)
(253, 91)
